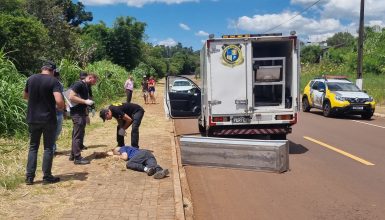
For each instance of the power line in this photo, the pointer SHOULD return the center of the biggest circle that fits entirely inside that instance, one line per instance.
(316, 2)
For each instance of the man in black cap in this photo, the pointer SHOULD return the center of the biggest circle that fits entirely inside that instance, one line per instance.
(79, 95)
(126, 114)
(43, 92)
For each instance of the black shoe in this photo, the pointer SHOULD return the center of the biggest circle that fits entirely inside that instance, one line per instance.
(71, 158)
(161, 174)
(150, 171)
(81, 161)
(29, 181)
(50, 179)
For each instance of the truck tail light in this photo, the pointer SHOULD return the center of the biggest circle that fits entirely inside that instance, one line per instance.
(221, 119)
(283, 117)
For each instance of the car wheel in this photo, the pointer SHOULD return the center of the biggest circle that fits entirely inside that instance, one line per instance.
(327, 111)
(305, 104)
(367, 116)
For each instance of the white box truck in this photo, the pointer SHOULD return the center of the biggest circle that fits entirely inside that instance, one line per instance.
(249, 86)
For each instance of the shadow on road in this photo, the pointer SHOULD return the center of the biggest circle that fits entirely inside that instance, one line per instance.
(296, 148)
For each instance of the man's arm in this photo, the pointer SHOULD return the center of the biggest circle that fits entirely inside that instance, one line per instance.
(59, 100)
(76, 99)
(127, 121)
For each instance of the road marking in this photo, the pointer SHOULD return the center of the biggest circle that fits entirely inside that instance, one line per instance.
(340, 151)
(368, 124)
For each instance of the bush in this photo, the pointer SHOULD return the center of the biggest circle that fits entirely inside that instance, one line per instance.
(12, 106)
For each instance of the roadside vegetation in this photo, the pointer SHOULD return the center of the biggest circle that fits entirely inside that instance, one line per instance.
(339, 57)
(33, 31)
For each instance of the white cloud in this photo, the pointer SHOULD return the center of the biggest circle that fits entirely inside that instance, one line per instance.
(134, 3)
(377, 23)
(347, 9)
(263, 23)
(202, 34)
(168, 42)
(184, 26)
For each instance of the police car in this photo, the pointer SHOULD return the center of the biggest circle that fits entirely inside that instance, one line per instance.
(336, 95)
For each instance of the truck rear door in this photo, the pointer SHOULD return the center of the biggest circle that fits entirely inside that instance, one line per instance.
(228, 77)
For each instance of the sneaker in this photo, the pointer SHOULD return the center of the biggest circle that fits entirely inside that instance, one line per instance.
(50, 179)
(161, 174)
(81, 161)
(150, 171)
(71, 158)
(29, 181)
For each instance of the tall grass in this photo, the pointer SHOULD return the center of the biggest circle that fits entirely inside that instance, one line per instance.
(110, 83)
(12, 106)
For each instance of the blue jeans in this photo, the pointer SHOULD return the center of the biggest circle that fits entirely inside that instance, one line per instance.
(143, 159)
(35, 132)
(59, 117)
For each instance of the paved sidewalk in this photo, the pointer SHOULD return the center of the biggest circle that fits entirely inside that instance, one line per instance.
(113, 192)
(105, 189)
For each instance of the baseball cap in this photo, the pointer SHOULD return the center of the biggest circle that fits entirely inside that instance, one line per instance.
(103, 113)
(83, 75)
(49, 65)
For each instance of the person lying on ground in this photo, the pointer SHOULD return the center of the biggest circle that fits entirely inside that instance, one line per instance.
(141, 160)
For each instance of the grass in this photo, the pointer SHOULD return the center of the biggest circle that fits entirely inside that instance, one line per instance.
(13, 153)
(12, 162)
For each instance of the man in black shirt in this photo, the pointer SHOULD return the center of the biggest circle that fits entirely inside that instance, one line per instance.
(126, 114)
(79, 95)
(43, 92)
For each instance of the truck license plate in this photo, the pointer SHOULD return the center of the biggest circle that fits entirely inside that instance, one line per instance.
(241, 119)
(358, 107)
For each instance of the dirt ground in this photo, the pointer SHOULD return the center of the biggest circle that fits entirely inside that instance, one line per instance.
(87, 191)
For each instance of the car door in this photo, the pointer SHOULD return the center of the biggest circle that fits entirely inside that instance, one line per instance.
(319, 94)
(182, 104)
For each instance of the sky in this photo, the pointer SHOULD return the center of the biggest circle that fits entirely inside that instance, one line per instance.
(191, 21)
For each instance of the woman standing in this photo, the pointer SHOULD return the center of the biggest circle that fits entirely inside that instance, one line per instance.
(151, 89)
(129, 86)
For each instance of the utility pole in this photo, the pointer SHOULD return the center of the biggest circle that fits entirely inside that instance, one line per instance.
(360, 46)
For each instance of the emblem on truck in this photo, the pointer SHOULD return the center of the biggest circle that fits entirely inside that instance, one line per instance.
(232, 55)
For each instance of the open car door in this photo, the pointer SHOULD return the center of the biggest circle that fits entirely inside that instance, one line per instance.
(182, 98)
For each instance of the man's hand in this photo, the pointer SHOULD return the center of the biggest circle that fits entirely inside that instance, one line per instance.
(88, 102)
(122, 132)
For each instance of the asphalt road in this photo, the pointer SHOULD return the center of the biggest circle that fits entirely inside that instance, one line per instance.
(337, 171)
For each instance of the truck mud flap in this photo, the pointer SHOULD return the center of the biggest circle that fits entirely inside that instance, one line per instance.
(261, 155)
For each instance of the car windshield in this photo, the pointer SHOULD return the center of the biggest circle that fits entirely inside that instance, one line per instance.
(181, 83)
(337, 86)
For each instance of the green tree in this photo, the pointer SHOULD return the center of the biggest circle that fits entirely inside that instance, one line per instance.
(75, 14)
(124, 44)
(14, 7)
(311, 54)
(64, 38)
(341, 39)
(25, 41)
(95, 38)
